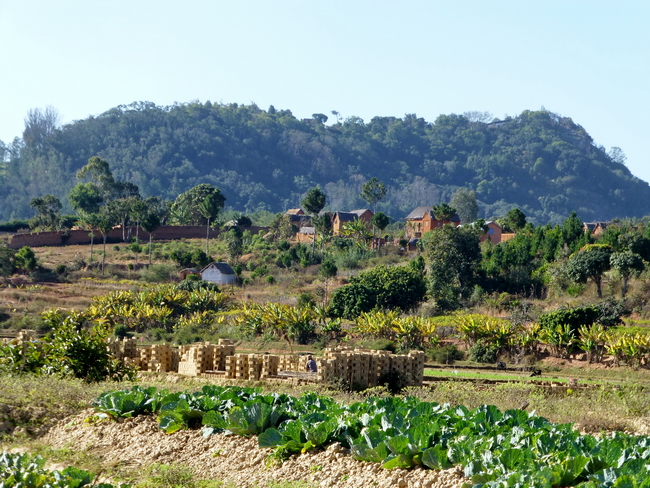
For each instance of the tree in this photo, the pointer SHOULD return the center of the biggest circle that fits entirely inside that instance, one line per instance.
(99, 172)
(39, 126)
(186, 206)
(150, 223)
(86, 197)
(320, 118)
(444, 212)
(105, 225)
(627, 264)
(48, 212)
(590, 262)
(452, 255)
(358, 230)
(464, 201)
(314, 202)
(380, 221)
(327, 271)
(90, 222)
(210, 208)
(120, 211)
(7, 260)
(25, 260)
(323, 226)
(516, 219)
(373, 191)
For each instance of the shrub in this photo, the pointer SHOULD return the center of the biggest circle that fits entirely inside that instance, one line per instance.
(447, 354)
(306, 300)
(351, 300)
(157, 273)
(193, 285)
(270, 280)
(483, 353)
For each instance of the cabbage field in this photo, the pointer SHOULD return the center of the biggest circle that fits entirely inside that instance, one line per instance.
(496, 449)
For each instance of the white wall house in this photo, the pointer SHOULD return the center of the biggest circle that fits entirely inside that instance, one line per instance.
(219, 273)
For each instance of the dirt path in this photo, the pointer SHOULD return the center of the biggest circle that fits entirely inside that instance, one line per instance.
(139, 442)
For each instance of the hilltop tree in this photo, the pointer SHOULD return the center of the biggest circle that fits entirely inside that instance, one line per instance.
(373, 191)
(98, 171)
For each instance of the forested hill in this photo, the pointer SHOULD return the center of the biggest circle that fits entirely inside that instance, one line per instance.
(543, 163)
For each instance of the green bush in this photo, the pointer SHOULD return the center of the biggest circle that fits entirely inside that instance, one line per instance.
(351, 300)
(447, 354)
(157, 273)
(483, 353)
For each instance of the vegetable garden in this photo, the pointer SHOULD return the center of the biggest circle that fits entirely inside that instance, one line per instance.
(513, 448)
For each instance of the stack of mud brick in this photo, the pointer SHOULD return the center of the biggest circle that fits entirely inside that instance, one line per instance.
(197, 359)
(252, 366)
(157, 358)
(291, 363)
(126, 350)
(363, 367)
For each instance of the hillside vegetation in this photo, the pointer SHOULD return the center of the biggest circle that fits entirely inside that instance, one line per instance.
(541, 162)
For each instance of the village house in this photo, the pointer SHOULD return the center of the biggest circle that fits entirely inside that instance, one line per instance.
(298, 217)
(422, 220)
(595, 228)
(219, 273)
(340, 218)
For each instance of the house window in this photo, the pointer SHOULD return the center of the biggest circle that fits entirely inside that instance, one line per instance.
(490, 231)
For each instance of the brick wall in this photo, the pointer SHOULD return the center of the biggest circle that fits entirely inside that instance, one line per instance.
(163, 233)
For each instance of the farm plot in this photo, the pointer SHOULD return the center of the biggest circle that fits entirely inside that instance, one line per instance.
(494, 448)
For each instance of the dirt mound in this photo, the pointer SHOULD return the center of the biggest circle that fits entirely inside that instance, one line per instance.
(140, 442)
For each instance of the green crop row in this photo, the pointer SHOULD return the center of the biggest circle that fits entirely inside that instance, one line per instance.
(27, 471)
(497, 449)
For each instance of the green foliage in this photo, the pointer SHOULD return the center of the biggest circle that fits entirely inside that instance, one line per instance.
(373, 191)
(26, 470)
(590, 263)
(197, 284)
(509, 448)
(192, 206)
(157, 273)
(189, 257)
(72, 348)
(14, 225)
(446, 354)
(452, 255)
(25, 260)
(267, 159)
(396, 287)
(7, 260)
(483, 352)
(314, 201)
(350, 301)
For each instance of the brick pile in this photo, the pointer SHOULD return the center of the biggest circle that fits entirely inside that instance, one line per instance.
(252, 366)
(363, 367)
(157, 358)
(197, 359)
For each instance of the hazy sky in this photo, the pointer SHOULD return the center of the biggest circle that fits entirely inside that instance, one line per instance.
(588, 60)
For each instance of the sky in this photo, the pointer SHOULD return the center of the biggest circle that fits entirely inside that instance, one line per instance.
(584, 59)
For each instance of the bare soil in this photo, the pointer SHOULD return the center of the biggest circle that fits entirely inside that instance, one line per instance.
(134, 444)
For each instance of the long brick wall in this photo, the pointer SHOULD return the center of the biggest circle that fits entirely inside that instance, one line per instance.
(71, 237)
